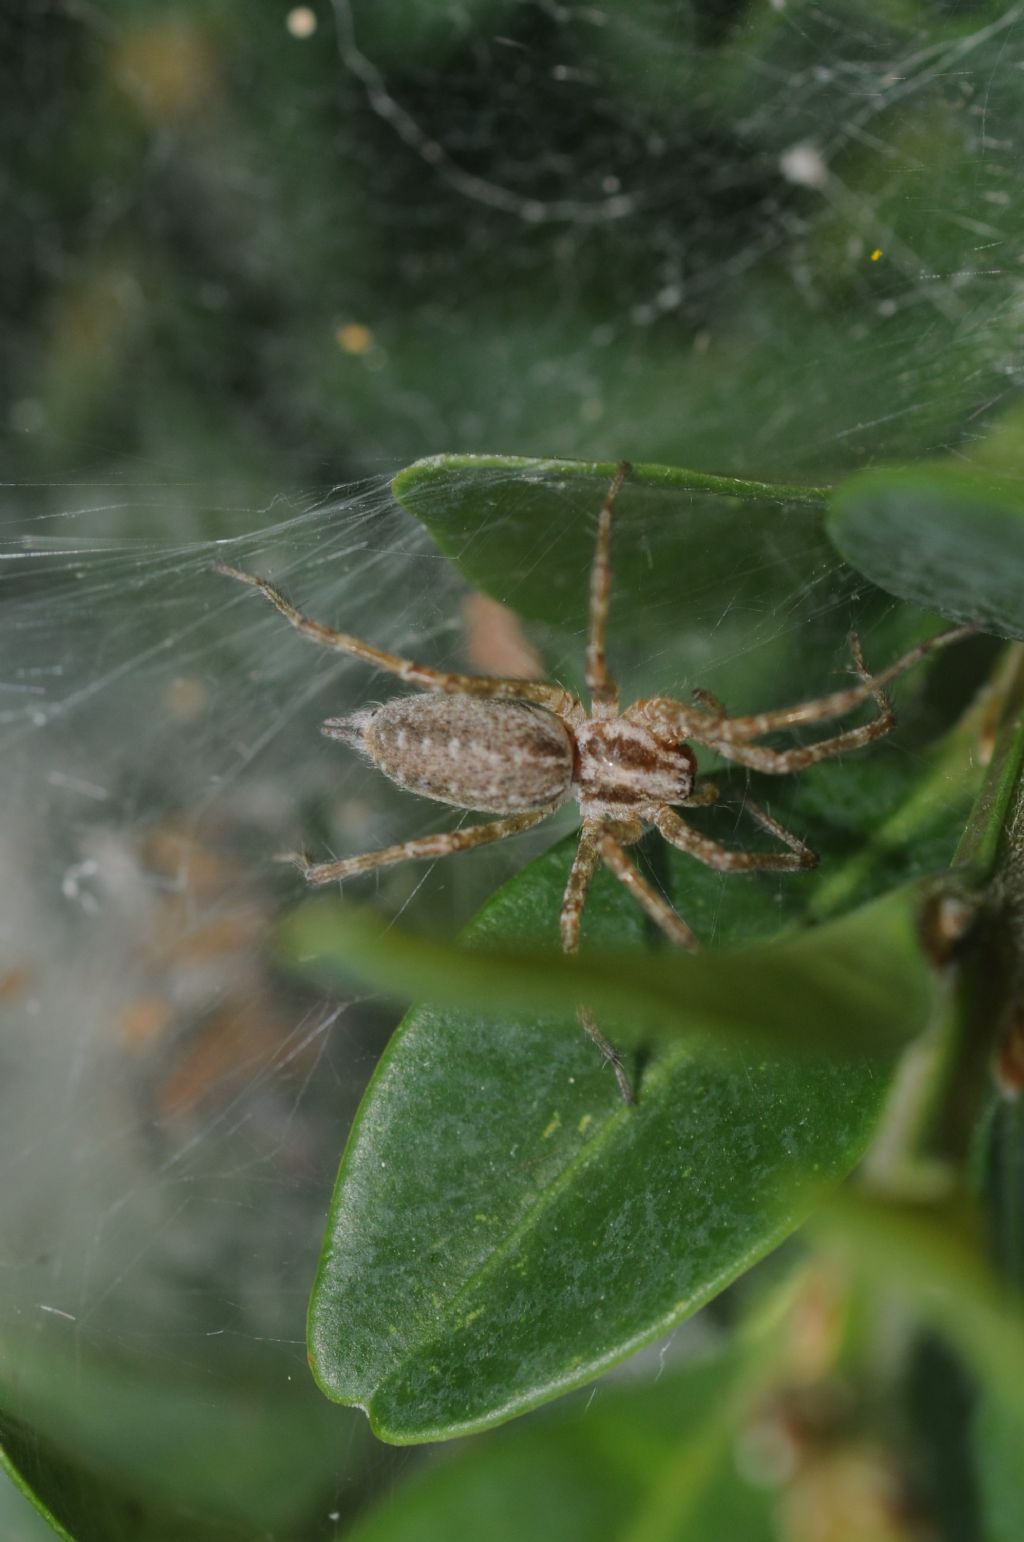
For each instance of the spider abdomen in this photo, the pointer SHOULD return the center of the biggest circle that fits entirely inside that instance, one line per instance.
(494, 757)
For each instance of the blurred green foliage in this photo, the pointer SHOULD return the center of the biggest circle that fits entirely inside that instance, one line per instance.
(745, 237)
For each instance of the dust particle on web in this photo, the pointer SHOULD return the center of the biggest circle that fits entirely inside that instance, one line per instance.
(301, 21)
(803, 165)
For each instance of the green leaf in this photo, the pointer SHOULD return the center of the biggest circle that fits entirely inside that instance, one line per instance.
(951, 540)
(83, 1503)
(812, 992)
(707, 565)
(20, 1455)
(1001, 796)
(649, 1464)
(718, 582)
(504, 1228)
(210, 1458)
(933, 1254)
(523, 530)
(80, 1505)
(996, 1442)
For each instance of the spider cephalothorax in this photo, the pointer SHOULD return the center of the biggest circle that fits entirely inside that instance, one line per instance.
(521, 748)
(626, 770)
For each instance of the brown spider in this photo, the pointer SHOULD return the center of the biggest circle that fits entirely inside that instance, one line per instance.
(480, 743)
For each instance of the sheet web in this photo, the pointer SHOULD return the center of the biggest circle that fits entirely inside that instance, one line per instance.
(160, 746)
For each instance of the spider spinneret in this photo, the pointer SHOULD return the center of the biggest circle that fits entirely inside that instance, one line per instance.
(522, 748)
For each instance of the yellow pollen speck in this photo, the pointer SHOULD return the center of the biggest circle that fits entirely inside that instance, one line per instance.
(301, 21)
(353, 337)
(582, 1126)
(555, 1124)
(876, 254)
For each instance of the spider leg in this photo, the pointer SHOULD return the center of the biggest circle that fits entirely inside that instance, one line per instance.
(659, 910)
(701, 796)
(580, 877)
(737, 730)
(757, 757)
(584, 866)
(604, 693)
(774, 827)
(705, 699)
(729, 736)
(780, 762)
(553, 697)
(441, 845)
(681, 835)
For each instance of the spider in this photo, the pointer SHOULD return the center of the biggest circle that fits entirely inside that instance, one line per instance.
(521, 748)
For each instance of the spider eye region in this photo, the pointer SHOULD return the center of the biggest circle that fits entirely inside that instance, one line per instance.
(624, 769)
(495, 757)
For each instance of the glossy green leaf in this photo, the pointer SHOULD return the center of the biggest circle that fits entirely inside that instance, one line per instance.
(812, 992)
(646, 1464)
(503, 1227)
(948, 539)
(718, 582)
(704, 566)
(523, 529)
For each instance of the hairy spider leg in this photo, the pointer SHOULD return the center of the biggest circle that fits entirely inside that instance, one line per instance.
(701, 796)
(604, 693)
(836, 703)
(581, 874)
(780, 832)
(421, 847)
(885, 713)
(553, 697)
(596, 844)
(729, 736)
(660, 911)
(724, 860)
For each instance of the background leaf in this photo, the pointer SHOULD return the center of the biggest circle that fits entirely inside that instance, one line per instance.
(646, 1464)
(947, 538)
(206, 1459)
(813, 995)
